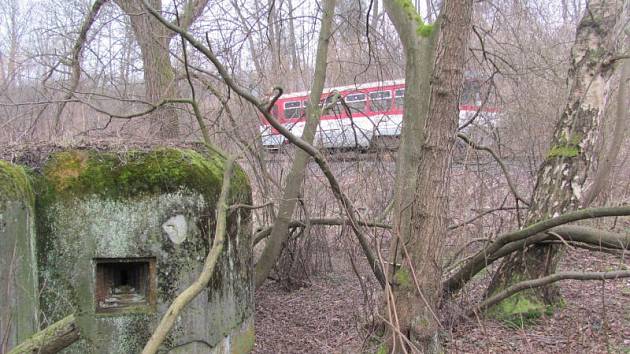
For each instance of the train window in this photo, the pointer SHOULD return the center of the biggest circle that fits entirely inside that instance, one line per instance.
(381, 101)
(292, 110)
(400, 95)
(471, 94)
(356, 102)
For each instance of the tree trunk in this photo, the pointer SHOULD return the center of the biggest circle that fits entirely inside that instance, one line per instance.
(159, 76)
(424, 158)
(561, 178)
(280, 230)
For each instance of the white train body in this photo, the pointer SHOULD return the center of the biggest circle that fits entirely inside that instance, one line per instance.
(371, 111)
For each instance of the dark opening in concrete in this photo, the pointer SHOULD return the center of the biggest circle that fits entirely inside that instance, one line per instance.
(124, 283)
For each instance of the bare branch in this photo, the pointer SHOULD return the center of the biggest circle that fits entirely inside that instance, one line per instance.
(192, 10)
(482, 214)
(77, 51)
(300, 143)
(262, 234)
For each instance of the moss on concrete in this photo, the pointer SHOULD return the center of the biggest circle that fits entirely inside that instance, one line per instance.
(243, 341)
(111, 175)
(14, 183)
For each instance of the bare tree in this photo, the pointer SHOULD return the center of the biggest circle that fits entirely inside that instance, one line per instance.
(421, 205)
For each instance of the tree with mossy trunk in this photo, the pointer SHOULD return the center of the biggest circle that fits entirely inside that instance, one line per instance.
(434, 74)
(562, 178)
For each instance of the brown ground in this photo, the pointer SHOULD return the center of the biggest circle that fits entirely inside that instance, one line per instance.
(325, 317)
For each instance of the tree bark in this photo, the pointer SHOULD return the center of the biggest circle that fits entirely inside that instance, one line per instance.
(424, 157)
(280, 230)
(159, 76)
(561, 178)
(620, 118)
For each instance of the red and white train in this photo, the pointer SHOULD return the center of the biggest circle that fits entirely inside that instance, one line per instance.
(375, 113)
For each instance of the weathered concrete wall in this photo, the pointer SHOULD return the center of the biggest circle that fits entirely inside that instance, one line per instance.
(160, 205)
(18, 266)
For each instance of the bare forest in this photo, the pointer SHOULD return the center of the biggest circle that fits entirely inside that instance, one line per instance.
(456, 234)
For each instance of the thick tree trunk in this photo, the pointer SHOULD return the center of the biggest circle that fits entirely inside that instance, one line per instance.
(280, 230)
(424, 158)
(561, 178)
(419, 60)
(159, 75)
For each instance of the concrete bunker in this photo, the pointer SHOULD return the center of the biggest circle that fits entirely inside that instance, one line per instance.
(121, 233)
(18, 264)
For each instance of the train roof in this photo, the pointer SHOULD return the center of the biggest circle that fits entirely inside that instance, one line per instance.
(348, 88)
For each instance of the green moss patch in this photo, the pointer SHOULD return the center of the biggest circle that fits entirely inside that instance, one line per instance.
(78, 173)
(383, 349)
(14, 183)
(566, 148)
(243, 341)
(422, 29)
(402, 278)
(519, 310)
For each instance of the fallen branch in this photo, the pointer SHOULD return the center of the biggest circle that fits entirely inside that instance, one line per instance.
(536, 283)
(496, 249)
(201, 283)
(51, 339)
(568, 233)
(592, 236)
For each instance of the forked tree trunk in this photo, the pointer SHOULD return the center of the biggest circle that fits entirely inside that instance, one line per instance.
(561, 178)
(431, 117)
